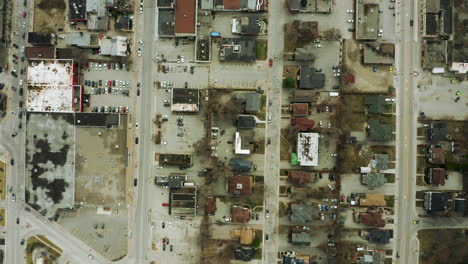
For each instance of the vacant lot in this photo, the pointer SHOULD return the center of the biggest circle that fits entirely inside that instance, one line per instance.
(443, 246)
(40, 243)
(2, 216)
(366, 80)
(261, 49)
(353, 157)
(49, 15)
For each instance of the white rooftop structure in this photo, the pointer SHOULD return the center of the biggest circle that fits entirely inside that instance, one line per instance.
(238, 146)
(49, 85)
(113, 46)
(459, 67)
(307, 149)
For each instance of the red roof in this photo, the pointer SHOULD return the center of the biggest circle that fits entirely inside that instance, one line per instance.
(240, 214)
(437, 156)
(232, 4)
(372, 219)
(40, 52)
(437, 176)
(300, 109)
(241, 185)
(210, 205)
(185, 17)
(302, 123)
(299, 177)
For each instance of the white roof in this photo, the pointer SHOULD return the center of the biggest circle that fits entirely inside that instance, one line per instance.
(113, 46)
(307, 149)
(459, 67)
(50, 86)
(238, 146)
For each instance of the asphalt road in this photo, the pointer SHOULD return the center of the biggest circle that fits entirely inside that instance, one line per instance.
(277, 14)
(142, 227)
(406, 135)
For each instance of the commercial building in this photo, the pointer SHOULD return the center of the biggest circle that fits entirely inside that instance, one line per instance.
(97, 16)
(300, 109)
(307, 148)
(303, 124)
(248, 26)
(300, 238)
(310, 6)
(237, 50)
(183, 201)
(50, 86)
(437, 18)
(367, 20)
(244, 253)
(237, 164)
(241, 185)
(252, 102)
(114, 46)
(41, 39)
(379, 53)
(185, 100)
(436, 202)
(185, 18)
(173, 181)
(310, 78)
(240, 214)
(40, 52)
(306, 53)
(83, 39)
(380, 236)
(77, 10)
(241, 146)
(234, 5)
(303, 96)
(246, 122)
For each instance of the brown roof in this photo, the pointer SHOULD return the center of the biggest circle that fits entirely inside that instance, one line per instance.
(185, 16)
(437, 176)
(232, 4)
(302, 123)
(240, 214)
(298, 177)
(241, 185)
(437, 156)
(373, 199)
(372, 219)
(300, 109)
(210, 205)
(40, 52)
(307, 30)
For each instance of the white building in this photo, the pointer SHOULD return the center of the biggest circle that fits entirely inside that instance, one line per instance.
(307, 148)
(113, 46)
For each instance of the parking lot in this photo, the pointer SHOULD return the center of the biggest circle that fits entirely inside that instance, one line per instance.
(108, 94)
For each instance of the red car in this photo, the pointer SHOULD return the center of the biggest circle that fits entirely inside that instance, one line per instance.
(163, 204)
(25, 14)
(21, 104)
(270, 63)
(164, 241)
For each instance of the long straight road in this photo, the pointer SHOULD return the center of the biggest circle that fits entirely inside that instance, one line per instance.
(406, 134)
(146, 101)
(272, 157)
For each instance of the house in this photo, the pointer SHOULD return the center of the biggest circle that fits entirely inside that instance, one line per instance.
(437, 132)
(298, 177)
(237, 164)
(300, 238)
(459, 205)
(375, 104)
(380, 162)
(379, 131)
(293, 258)
(242, 144)
(435, 202)
(244, 253)
(437, 156)
(240, 214)
(380, 236)
(310, 78)
(307, 148)
(301, 213)
(371, 219)
(238, 50)
(373, 199)
(246, 235)
(210, 205)
(251, 101)
(124, 23)
(241, 185)
(300, 109)
(437, 176)
(374, 180)
(377, 257)
(246, 122)
(303, 124)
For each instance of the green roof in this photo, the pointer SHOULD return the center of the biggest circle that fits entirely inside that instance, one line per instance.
(376, 104)
(379, 131)
(380, 162)
(294, 159)
(374, 179)
(300, 238)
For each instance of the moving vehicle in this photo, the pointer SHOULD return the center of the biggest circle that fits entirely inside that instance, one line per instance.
(270, 63)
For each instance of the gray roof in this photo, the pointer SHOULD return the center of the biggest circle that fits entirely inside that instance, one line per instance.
(207, 4)
(436, 201)
(240, 164)
(301, 213)
(438, 132)
(246, 122)
(300, 238)
(123, 23)
(380, 131)
(379, 236)
(79, 38)
(249, 25)
(374, 179)
(303, 96)
(97, 7)
(166, 22)
(375, 103)
(96, 22)
(305, 54)
(310, 79)
(248, 4)
(172, 181)
(237, 49)
(244, 253)
(252, 101)
(380, 162)
(379, 53)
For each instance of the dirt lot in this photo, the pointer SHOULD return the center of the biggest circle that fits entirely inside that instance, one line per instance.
(49, 15)
(443, 246)
(365, 79)
(354, 156)
(354, 118)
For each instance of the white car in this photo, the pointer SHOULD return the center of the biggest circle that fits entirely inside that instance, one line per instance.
(141, 43)
(350, 20)
(141, 9)
(269, 119)
(139, 52)
(90, 257)
(318, 45)
(136, 125)
(182, 59)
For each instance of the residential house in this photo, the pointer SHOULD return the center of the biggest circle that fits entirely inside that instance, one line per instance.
(301, 213)
(237, 164)
(241, 185)
(436, 202)
(240, 214)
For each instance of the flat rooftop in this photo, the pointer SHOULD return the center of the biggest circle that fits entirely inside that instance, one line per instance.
(50, 159)
(185, 16)
(367, 19)
(49, 86)
(307, 148)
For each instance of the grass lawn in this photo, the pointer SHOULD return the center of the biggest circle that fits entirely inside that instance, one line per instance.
(2, 215)
(261, 49)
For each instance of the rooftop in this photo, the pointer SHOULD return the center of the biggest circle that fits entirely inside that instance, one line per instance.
(379, 131)
(310, 78)
(380, 162)
(301, 213)
(306, 53)
(246, 25)
(241, 185)
(40, 52)
(380, 236)
(113, 46)
(379, 53)
(374, 180)
(307, 148)
(303, 124)
(437, 176)
(83, 39)
(185, 17)
(246, 122)
(173, 181)
(303, 96)
(252, 101)
(40, 38)
(244, 254)
(50, 86)
(367, 19)
(436, 201)
(237, 164)
(300, 109)
(372, 219)
(300, 238)
(77, 10)
(238, 49)
(185, 100)
(437, 156)
(240, 214)
(166, 22)
(210, 205)
(375, 104)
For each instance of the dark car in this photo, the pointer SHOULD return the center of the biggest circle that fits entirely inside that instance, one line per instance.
(15, 46)
(138, 92)
(14, 56)
(20, 126)
(14, 74)
(164, 247)
(1, 86)
(14, 134)
(171, 248)
(22, 242)
(457, 99)
(186, 85)
(20, 91)
(266, 237)
(163, 225)
(100, 82)
(17, 220)
(135, 182)
(27, 209)
(192, 69)
(12, 162)
(411, 22)
(23, 36)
